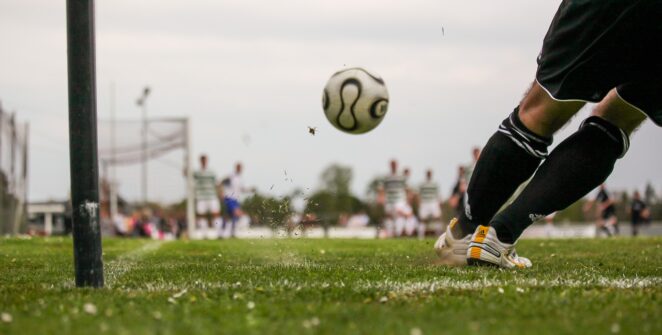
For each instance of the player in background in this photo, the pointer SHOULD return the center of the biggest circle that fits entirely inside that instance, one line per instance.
(456, 200)
(638, 213)
(469, 169)
(411, 221)
(207, 206)
(380, 202)
(233, 190)
(429, 211)
(607, 220)
(607, 52)
(395, 196)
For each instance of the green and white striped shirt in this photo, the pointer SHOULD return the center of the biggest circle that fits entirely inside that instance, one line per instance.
(395, 188)
(205, 185)
(429, 192)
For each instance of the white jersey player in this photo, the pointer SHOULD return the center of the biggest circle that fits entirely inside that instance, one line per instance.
(429, 210)
(232, 195)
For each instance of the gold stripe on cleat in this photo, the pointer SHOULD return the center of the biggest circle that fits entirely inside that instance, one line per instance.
(474, 253)
(482, 233)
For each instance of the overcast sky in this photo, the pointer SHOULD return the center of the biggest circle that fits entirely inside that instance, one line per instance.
(250, 74)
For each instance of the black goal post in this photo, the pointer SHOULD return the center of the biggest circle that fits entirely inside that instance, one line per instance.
(83, 143)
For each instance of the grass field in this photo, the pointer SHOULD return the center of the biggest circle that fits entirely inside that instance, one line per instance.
(331, 287)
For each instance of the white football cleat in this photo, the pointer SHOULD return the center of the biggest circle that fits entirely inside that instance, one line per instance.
(450, 250)
(486, 249)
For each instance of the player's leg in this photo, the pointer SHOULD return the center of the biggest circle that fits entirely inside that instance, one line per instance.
(638, 219)
(578, 165)
(519, 144)
(400, 220)
(612, 224)
(399, 223)
(420, 229)
(389, 221)
(508, 159)
(229, 208)
(410, 220)
(600, 225)
(237, 213)
(411, 225)
(424, 219)
(201, 210)
(217, 224)
(214, 217)
(430, 218)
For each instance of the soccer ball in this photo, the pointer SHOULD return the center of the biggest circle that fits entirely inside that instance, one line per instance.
(355, 100)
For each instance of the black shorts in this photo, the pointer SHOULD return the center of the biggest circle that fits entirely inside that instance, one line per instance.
(592, 47)
(608, 213)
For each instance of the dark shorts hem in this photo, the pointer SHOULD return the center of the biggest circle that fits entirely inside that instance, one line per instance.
(592, 47)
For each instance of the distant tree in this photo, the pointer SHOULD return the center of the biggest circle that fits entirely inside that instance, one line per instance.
(373, 186)
(650, 197)
(575, 212)
(329, 206)
(656, 211)
(373, 208)
(335, 197)
(337, 179)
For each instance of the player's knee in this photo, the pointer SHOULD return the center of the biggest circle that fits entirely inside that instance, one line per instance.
(535, 99)
(533, 144)
(615, 134)
(618, 112)
(544, 115)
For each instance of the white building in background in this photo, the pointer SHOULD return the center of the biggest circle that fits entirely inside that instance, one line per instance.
(47, 218)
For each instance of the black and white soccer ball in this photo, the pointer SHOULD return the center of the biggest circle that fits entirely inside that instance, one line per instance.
(355, 100)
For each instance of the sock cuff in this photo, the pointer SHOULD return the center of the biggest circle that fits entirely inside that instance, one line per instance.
(535, 145)
(517, 124)
(612, 131)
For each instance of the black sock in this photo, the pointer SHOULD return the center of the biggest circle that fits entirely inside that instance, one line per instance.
(579, 164)
(509, 158)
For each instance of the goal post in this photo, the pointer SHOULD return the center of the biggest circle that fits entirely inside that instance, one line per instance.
(84, 166)
(190, 192)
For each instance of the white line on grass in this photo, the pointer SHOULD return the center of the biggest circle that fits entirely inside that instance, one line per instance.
(451, 284)
(408, 287)
(126, 262)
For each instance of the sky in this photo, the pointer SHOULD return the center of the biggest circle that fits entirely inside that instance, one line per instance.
(249, 74)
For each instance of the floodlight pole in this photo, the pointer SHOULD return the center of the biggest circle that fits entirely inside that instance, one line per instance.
(83, 143)
(142, 103)
(113, 174)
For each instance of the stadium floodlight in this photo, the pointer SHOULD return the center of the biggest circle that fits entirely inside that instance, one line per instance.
(84, 166)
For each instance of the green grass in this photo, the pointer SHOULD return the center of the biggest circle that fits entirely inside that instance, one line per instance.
(331, 287)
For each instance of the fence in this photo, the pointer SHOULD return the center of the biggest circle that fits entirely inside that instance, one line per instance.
(13, 173)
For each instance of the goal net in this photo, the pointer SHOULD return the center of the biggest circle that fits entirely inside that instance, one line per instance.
(144, 162)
